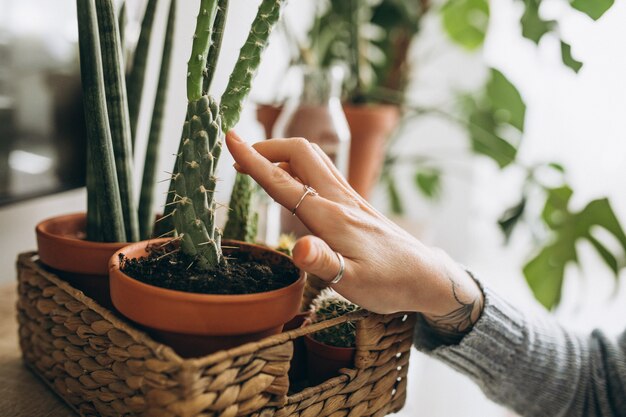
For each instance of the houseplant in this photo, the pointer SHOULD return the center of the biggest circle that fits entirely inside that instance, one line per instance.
(333, 348)
(195, 291)
(78, 246)
(371, 40)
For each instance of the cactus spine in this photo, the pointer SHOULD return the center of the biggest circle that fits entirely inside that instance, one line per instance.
(101, 158)
(330, 305)
(146, 197)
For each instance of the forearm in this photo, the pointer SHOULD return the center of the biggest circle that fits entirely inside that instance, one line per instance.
(533, 365)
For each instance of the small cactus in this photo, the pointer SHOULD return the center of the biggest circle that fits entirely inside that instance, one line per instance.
(286, 242)
(330, 305)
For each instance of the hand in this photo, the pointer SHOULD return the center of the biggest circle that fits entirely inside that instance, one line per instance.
(386, 269)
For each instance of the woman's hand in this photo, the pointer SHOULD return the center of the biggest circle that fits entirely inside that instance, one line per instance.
(386, 269)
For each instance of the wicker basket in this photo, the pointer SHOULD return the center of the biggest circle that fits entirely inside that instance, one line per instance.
(101, 365)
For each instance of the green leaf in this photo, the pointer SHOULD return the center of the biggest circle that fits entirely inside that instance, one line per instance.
(428, 182)
(606, 254)
(506, 101)
(511, 217)
(544, 273)
(533, 26)
(593, 8)
(568, 59)
(466, 21)
(492, 116)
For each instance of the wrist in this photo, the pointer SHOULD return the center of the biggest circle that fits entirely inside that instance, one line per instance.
(460, 302)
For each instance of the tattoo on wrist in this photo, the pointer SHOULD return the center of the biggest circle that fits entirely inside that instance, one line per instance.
(451, 327)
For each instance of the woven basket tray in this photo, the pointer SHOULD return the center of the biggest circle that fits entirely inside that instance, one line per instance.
(101, 365)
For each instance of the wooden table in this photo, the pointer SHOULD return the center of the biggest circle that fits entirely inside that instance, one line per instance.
(22, 394)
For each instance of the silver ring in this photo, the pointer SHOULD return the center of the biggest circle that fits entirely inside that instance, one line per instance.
(342, 269)
(307, 191)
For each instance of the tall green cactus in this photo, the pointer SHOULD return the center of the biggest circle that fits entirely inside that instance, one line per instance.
(240, 80)
(193, 182)
(242, 223)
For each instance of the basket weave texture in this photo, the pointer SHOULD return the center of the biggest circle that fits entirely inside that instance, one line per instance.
(101, 365)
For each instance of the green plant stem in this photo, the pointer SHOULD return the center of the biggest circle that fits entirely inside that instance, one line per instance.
(240, 80)
(216, 44)
(99, 139)
(200, 49)
(138, 71)
(146, 198)
(117, 108)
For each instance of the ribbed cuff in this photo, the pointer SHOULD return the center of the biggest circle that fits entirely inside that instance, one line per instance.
(498, 332)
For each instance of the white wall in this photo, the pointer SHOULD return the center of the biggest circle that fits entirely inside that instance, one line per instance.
(578, 120)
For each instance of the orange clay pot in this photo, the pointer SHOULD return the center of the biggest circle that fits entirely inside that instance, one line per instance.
(325, 361)
(198, 324)
(267, 114)
(83, 264)
(370, 126)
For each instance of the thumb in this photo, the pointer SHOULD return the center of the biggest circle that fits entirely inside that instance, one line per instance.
(314, 256)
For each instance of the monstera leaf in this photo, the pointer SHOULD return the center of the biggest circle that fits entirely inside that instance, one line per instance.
(544, 272)
(496, 120)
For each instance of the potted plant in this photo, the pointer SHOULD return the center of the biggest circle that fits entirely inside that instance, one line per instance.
(194, 291)
(78, 246)
(372, 42)
(331, 349)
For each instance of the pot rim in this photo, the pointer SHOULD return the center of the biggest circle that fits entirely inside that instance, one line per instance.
(42, 229)
(114, 264)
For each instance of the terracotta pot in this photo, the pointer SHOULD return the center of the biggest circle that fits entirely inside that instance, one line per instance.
(325, 361)
(298, 365)
(199, 324)
(83, 264)
(267, 114)
(370, 126)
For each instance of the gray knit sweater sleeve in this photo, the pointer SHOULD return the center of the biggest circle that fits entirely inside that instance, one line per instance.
(534, 366)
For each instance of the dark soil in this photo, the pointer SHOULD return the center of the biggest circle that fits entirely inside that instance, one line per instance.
(241, 274)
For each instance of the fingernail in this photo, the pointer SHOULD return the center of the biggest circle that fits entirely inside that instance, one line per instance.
(237, 166)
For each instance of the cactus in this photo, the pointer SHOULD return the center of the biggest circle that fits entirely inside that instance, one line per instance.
(146, 197)
(216, 44)
(117, 108)
(242, 221)
(105, 192)
(241, 224)
(248, 62)
(330, 305)
(193, 182)
(138, 71)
